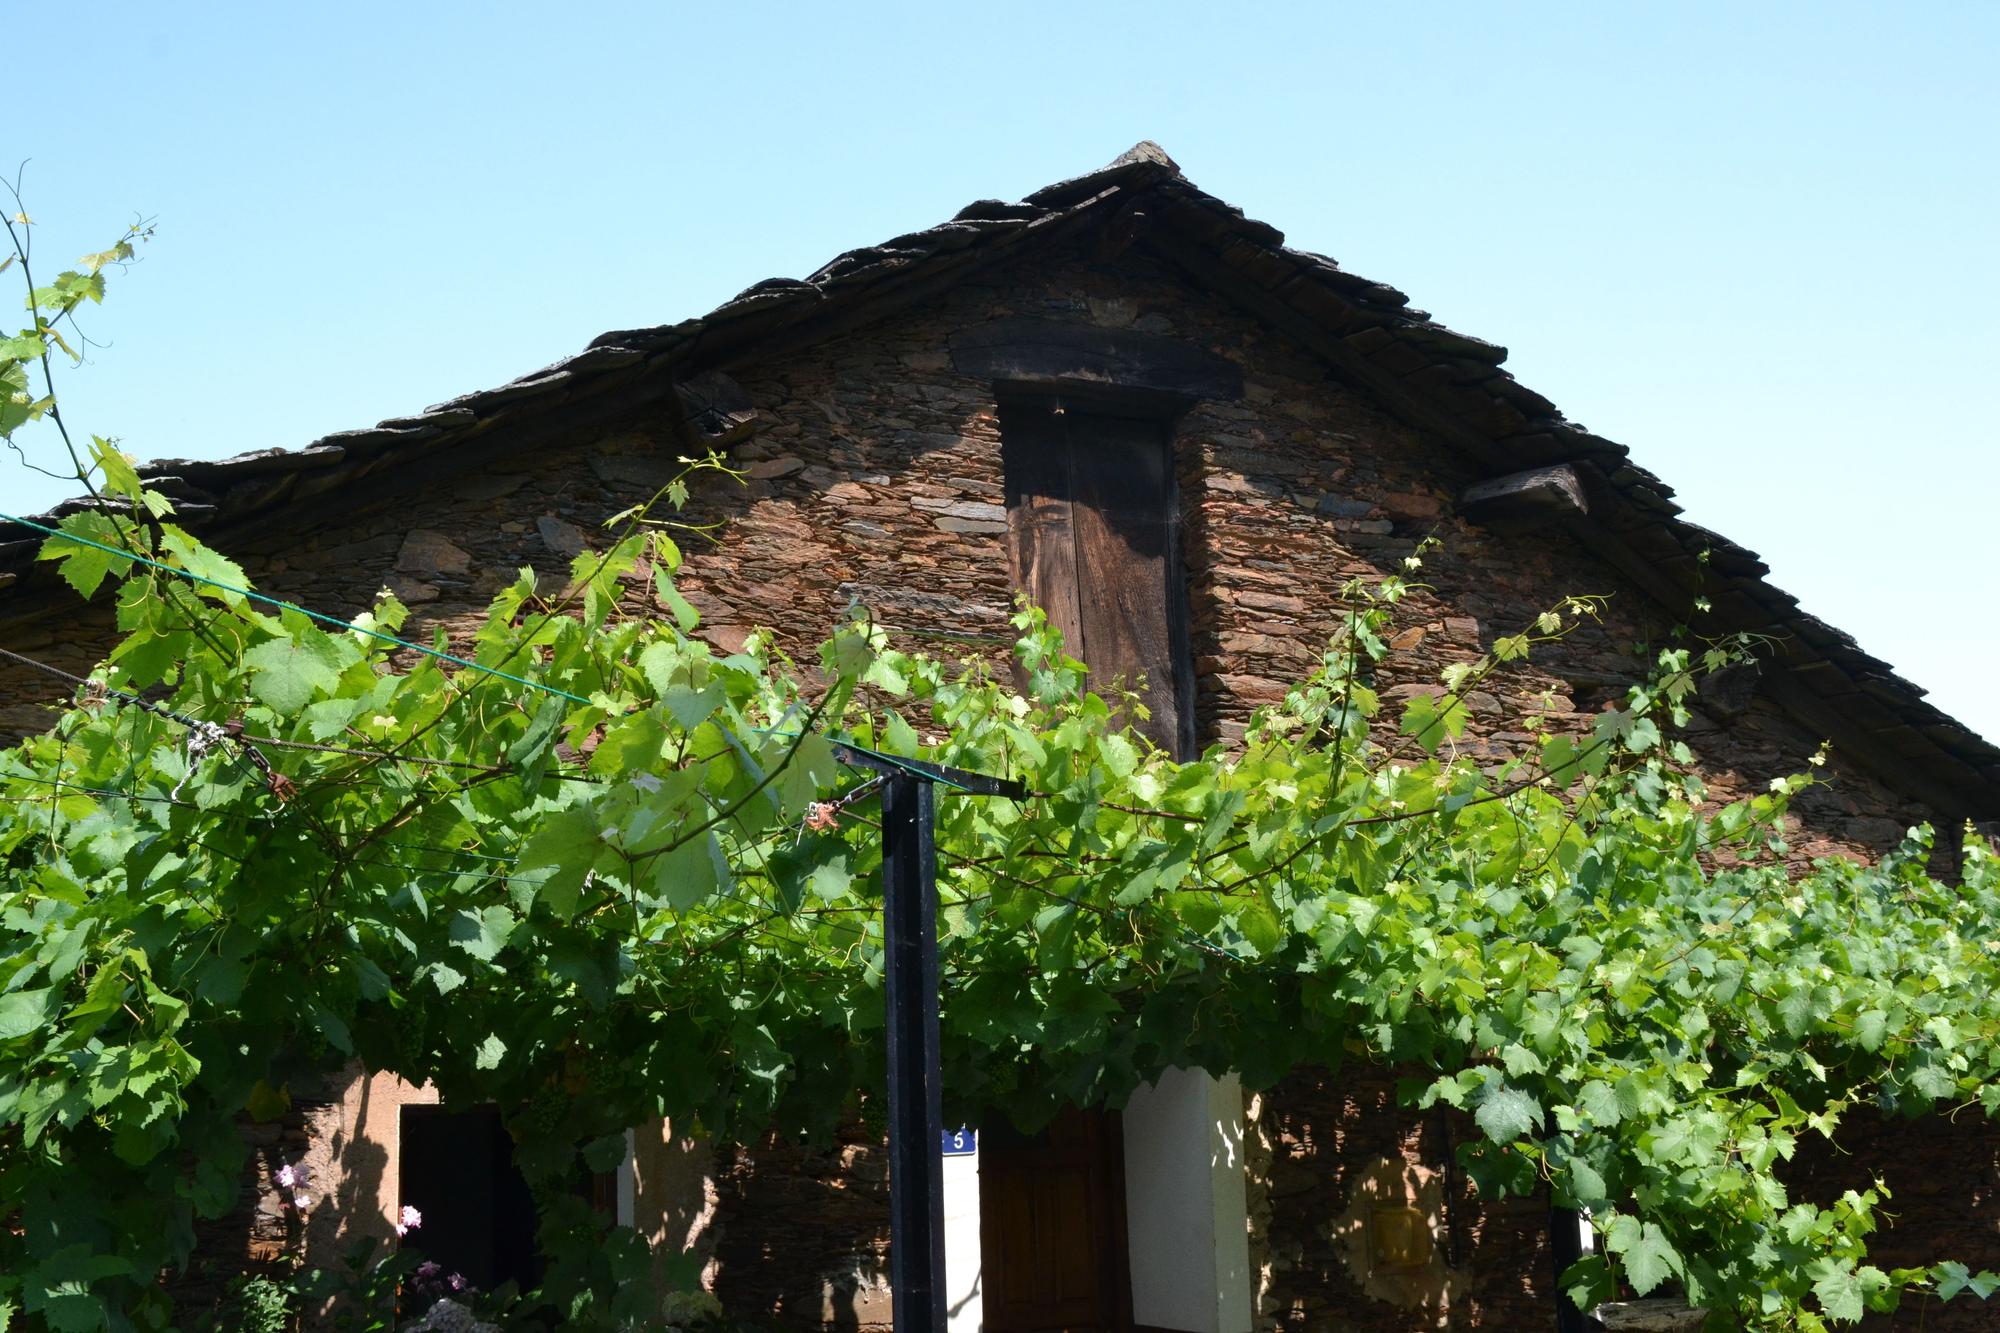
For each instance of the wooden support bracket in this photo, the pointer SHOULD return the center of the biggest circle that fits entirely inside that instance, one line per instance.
(1526, 499)
(716, 408)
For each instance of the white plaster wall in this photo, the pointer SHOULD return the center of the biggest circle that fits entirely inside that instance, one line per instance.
(1185, 1205)
(963, 1308)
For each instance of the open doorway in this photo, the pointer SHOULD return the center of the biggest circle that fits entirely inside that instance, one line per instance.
(457, 1169)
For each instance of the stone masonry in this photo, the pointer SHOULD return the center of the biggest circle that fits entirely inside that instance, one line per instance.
(875, 476)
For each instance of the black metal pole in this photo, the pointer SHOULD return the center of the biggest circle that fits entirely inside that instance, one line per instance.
(910, 977)
(916, 1111)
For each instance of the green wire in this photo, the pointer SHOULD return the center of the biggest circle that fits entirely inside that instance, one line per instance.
(290, 606)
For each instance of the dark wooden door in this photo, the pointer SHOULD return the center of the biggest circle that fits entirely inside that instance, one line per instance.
(1094, 539)
(1052, 1227)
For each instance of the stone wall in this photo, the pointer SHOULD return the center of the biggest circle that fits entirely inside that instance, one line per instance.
(1943, 1179)
(802, 1237)
(876, 476)
(1339, 1159)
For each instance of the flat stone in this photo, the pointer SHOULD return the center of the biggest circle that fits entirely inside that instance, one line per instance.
(969, 525)
(1664, 1316)
(971, 509)
(1229, 484)
(1253, 689)
(1875, 832)
(427, 552)
(1112, 312)
(729, 638)
(782, 466)
(486, 486)
(1264, 601)
(564, 538)
(1409, 504)
(1341, 507)
(634, 470)
(412, 592)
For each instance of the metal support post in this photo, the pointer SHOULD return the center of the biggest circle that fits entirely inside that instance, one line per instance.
(916, 1091)
(916, 1111)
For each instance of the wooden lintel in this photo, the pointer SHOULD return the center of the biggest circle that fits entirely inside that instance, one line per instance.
(1026, 350)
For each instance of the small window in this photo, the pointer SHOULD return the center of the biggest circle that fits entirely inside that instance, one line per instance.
(1093, 526)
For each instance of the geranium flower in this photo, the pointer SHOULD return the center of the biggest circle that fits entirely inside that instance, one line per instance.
(410, 1220)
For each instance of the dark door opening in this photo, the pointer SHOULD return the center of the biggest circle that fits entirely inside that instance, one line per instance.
(457, 1169)
(1052, 1227)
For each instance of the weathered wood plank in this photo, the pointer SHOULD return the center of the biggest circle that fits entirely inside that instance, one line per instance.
(1540, 494)
(1126, 562)
(1041, 532)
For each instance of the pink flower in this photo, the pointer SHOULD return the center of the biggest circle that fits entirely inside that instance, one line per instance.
(410, 1220)
(302, 1201)
(290, 1176)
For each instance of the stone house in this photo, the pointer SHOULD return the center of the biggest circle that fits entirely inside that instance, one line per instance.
(1129, 400)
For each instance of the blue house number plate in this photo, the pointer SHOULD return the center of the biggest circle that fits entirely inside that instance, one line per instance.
(960, 1142)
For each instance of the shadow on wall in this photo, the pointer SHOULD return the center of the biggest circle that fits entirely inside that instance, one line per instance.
(352, 1169)
(344, 1180)
(674, 1201)
(1356, 1220)
(802, 1234)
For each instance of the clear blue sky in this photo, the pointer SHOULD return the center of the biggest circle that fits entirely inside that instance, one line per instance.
(1756, 243)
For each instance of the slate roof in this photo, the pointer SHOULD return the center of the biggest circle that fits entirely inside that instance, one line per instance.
(1440, 380)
